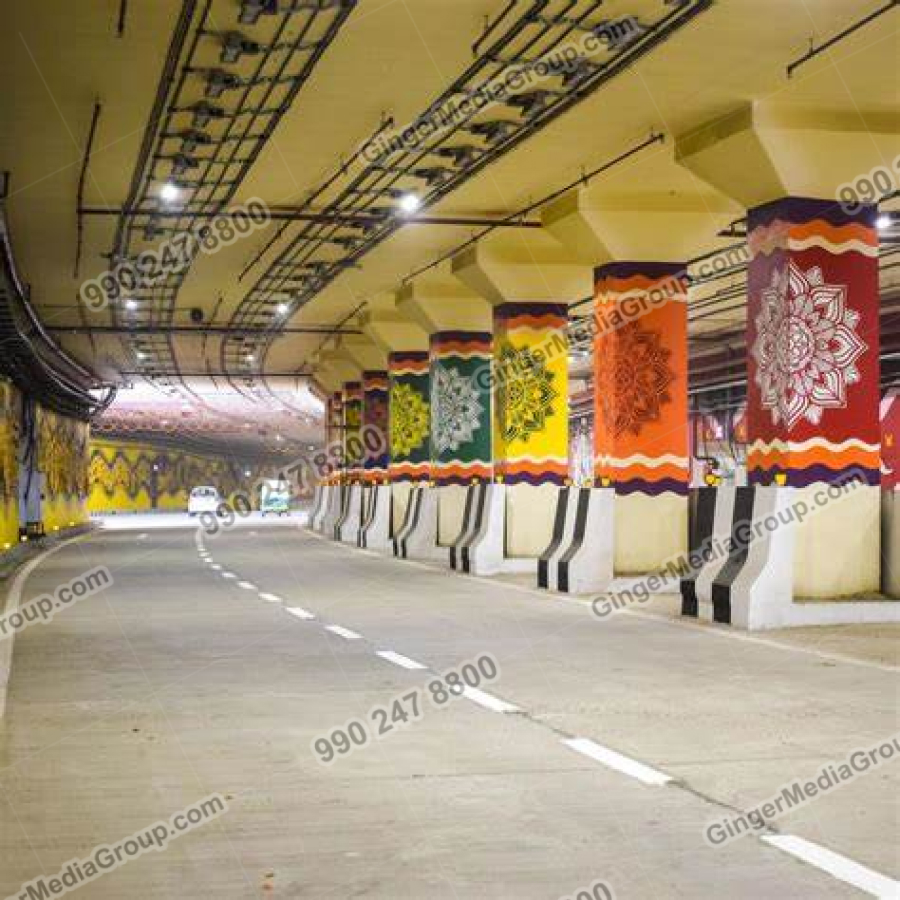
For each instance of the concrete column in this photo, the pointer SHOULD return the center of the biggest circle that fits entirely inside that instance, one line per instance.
(458, 323)
(372, 359)
(409, 413)
(639, 333)
(530, 280)
(812, 328)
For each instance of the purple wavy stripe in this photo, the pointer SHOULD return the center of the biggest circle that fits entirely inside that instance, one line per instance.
(535, 480)
(654, 270)
(817, 474)
(511, 310)
(463, 336)
(803, 209)
(651, 488)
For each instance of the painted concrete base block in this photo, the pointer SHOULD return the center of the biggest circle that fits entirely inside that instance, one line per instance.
(479, 546)
(451, 510)
(417, 537)
(764, 540)
(890, 543)
(650, 531)
(333, 510)
(400, 492)
(579, 557)
(346, 529)
(375, 532)
(529, 519)
(320, 501)
(838, 547)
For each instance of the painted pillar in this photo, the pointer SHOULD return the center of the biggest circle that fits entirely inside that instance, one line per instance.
(531, 421)
(813, 333)
(375, 426)
(353, 453)
(460, 371)
(641, 441)
(813, 382)
(335, 435)
(410, 416)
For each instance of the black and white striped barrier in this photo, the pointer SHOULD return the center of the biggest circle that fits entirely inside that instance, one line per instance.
(375, 532)
(579, 558)
(333, 507)
(417, 536)
(346, 529)
(479, 547)
(744, 547)
(320, 501)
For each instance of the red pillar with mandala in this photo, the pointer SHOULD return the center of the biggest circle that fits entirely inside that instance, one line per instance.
(813, 334)
(641, 438)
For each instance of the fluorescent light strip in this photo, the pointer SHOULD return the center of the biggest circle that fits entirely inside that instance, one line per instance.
(840, 867)
(618, 762)
(399, 660)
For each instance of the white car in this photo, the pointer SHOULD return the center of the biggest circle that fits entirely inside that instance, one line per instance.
(204, 499)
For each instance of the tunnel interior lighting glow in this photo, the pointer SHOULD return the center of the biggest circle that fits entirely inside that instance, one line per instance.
(131, 303)
(409, 203)
(282, 309)
(170, 192)
(883, 223)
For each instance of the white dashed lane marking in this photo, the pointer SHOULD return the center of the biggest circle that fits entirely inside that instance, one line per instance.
(229, 575)
(270, 598)
(247, 585)
(489, 701)
(617, 761)
(834, 864)
(216, 567)
(299, 612)
(399, 660)
(345, 633)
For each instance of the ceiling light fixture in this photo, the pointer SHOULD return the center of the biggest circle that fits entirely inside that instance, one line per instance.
(170, 192)
(282, 309)
(131, 304)
(883, 223)
(409, 203)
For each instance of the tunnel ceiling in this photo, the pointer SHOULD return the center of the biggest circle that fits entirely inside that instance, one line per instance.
(106, 101)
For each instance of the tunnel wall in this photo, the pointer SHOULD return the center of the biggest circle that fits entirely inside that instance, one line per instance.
(123, 478)
(62, 457)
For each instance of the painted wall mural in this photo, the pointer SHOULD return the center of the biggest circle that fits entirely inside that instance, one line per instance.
(410, 416)
(640, 376)
(9, 467)
(461, 406)
(813, 334)
(531, 394)
(375, 422)
(134, 477)
(353, 448)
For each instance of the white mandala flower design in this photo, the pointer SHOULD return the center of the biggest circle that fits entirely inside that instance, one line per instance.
(456, 409)
(806, 346)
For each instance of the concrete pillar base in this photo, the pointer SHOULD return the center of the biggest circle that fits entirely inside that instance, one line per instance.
(333, 510)
(319, 505)
(649, 531)
(375, 531)
(579, 558)
(479, 546)
(529, 519)
(452, 500)
(890, 543)
(417, 537)
(782, 556)
(346, 529)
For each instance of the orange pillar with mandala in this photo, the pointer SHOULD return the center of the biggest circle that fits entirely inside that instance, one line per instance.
(641, 439)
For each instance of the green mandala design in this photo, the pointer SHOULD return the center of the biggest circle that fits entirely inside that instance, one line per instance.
(525, 393)
(410, 420)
